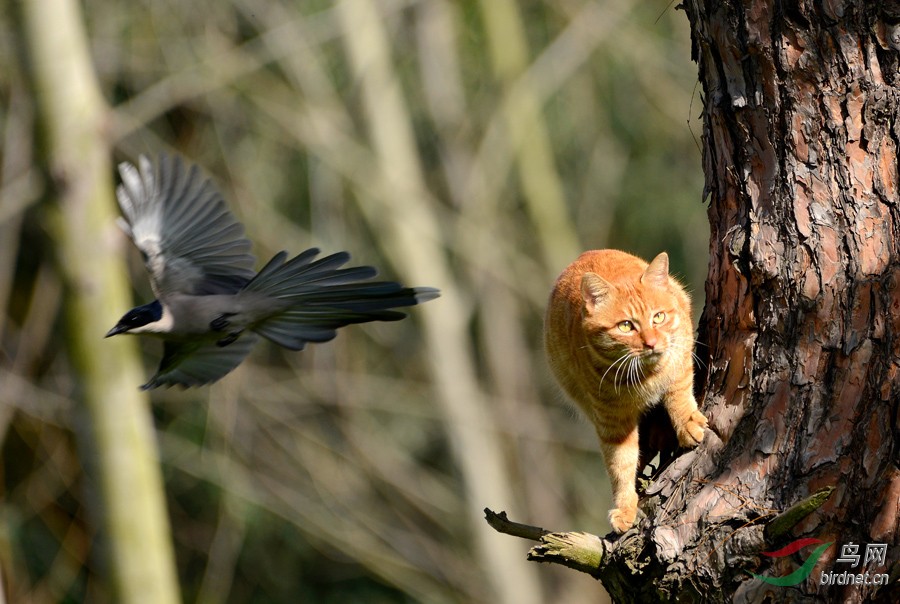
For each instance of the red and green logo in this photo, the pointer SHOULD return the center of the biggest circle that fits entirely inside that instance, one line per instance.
(805, 569)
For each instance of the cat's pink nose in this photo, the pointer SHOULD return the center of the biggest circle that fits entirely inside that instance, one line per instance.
(650, 342)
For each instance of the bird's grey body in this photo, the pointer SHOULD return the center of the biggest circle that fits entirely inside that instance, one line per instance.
(190, 316)
(211, 305)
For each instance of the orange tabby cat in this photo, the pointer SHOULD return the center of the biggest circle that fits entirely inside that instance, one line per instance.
(619, 338)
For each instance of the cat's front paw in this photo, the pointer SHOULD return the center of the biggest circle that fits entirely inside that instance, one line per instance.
(622, 518)
(690, 432)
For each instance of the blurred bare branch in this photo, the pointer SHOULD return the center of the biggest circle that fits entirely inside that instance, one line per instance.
(73, 114)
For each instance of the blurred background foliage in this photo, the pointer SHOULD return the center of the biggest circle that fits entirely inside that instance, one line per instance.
(475, 146)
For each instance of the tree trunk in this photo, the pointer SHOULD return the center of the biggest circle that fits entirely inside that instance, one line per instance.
(802, 320)
(800, 336)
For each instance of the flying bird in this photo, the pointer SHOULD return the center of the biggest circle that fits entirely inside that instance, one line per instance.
(211, 306)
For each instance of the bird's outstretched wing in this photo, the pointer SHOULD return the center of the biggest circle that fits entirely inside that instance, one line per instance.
(190, 242)
(198, 363)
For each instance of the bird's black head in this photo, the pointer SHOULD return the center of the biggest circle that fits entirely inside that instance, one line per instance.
(138, 317)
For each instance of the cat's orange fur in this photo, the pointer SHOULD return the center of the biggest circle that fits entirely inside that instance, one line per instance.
(619, 337)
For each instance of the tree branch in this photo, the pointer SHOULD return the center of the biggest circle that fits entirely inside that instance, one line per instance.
(576, 550)
(502, 524)
(782, 523)
(579, 551)
(591, 554)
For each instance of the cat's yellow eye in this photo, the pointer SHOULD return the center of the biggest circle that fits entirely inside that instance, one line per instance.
(626, 326)
(659, 318)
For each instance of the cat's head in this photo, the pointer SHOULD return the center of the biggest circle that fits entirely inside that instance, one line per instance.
(634, 315)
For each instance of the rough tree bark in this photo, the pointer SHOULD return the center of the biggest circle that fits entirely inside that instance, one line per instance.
(801, 330)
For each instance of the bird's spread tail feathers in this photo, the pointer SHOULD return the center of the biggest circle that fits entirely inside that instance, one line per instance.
(324, 297)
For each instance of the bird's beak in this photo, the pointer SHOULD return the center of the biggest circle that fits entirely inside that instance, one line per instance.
(115, 330)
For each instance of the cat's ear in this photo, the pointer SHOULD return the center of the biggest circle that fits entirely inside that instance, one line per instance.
(594, 290)
(657, 274)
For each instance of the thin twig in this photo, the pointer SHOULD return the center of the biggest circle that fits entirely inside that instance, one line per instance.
(502, 524)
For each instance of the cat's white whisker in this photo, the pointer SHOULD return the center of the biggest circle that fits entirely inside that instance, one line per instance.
(636, 372)
(614, 363)
(626, 372)
(625, 360)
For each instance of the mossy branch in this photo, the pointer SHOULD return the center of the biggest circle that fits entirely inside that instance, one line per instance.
(583, 552)
(789, 518)
(580, 551)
